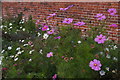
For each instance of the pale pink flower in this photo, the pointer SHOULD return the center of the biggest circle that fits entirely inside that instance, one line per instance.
(50, 54)
(68, 20)
(79, 24)
(51, 31)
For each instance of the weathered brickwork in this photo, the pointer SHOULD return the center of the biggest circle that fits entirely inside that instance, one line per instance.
(81, 11)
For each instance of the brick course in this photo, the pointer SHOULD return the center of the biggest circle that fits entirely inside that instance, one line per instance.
(39, 10)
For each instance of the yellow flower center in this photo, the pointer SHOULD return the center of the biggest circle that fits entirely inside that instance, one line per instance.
(95, 64)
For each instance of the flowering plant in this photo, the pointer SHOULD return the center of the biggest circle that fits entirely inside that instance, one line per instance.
(42, 51)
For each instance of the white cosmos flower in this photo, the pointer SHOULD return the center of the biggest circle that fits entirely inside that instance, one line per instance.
(79, 42)
(114, 58)
(30, 59)
(10, 28)
(107, 49)
(10, 24)
(40, 51)
(115, 47)
(31, 51)
(19, 52)
(17, 48)
(108, 56)
(22, 40)
(23, 29)
(11, 56)
(2, 51)
(9, 48)
(5, 32)
(102, 72)
(39, 34)
(45, 36)
(107, 68)
(15, 59)
(25, 44)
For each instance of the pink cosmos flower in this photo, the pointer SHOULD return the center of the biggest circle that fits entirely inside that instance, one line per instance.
(45, 28)
(112, 11)
(30, 43)
(37, 21)
(57, 37)
(50, 54)
(68, 20)
(70, 6)
(51, 31)
(100, 16)
(113, 25)
(100, 39)
(63, 9)
(95, 65)
(55, 76)
(79, 24)
(51, 15)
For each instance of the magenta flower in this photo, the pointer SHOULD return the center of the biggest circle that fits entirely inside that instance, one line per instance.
(55, 76)
(95, 65)
(63, 9)
(68, 20)
(70, 6)
(45, 28)
(51, 31)
(100, 39)
(50, 54)
(79, 24)
(112, 11)
(57, 37)
(100, 16)
(113, 25)
(51, 15)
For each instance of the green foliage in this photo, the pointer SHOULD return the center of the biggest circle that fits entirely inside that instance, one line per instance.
(35, 64)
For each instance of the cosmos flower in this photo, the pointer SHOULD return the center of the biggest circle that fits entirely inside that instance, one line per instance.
(37, 21)
(63, 9)
(50, 54)
(9, 48)
(51, 15)
(54, 77)
(79, 24)
(79, 42)
(113, 25)
(45, 28)
(102, 73)
(95, 65)
(112, 11)
(100, 16)
(68, 20)
(45, 36)
(51, 31)
(100, 39)
(30, 43)
(57, 37)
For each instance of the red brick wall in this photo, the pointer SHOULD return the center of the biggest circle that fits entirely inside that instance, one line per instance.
(39, 10)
